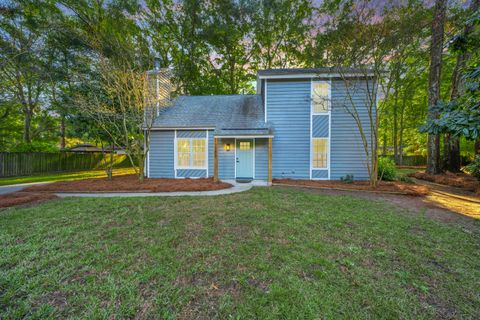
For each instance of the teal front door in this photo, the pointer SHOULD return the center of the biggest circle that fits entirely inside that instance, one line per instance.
(244, 150)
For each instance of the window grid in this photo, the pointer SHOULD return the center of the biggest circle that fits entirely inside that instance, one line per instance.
(191, 153)
(244, 145)
(320, 97)
(320, 153)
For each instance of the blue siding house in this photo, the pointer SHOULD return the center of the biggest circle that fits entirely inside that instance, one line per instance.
(295, 127)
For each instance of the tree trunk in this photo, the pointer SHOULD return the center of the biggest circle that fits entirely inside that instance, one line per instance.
(395, 126)
(26, 126)
(62, 133)
(433, 146)
(477, 147)
(384, 149)
(452, 153)
(400, 133)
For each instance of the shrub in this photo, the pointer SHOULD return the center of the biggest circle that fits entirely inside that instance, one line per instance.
(474, 167)
(34, 146)
(347, 179)
(386, 169)
(405, 179)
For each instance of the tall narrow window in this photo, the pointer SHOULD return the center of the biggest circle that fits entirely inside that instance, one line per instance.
(320, 153)
(320, 96)
(191, 153)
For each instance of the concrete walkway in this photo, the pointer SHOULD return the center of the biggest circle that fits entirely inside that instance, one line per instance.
(19, 187)
(237, 187)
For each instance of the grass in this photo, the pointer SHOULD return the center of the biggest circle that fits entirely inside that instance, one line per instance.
(404, 171)
(63, 176)
(267, 253)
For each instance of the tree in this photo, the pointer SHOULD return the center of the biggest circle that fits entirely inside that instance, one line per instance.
(436, 47)
(126, 106)
(23, 59)
(461, 116)
(280, 32)
(369, 49)
(452, 143)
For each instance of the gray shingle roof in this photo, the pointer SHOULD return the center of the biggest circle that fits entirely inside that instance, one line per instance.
(239, 113)
(325, 70)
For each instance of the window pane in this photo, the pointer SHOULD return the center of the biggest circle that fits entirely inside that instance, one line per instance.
(320, 97)
(183, 159)
(183, 152)
(183, 145)
(191, 153)
(198, 145)
(320, 153)
(244, 145)
(198, 159)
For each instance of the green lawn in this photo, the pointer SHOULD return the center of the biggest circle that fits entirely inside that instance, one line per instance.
(267, 253)
(63, 176)
(405, 171)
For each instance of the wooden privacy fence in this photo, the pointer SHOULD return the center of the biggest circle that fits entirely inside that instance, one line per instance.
(412, 160)
(422, 160)
(27, 163)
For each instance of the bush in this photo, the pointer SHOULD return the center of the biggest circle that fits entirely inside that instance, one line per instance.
(34, 146)
(347, 179)
(386, 169)
(405, 179)
(474, 167)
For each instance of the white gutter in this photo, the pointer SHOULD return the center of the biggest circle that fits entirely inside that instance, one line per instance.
(316, 75)
(245, 136)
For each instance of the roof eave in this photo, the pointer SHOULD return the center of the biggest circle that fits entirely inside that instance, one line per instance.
(318, 75)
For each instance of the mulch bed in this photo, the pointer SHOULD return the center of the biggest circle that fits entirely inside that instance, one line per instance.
(20, 198)
(130, 183)
(459, 180)
(383, 186)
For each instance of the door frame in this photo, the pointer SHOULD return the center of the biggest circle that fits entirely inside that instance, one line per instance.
(253, 157)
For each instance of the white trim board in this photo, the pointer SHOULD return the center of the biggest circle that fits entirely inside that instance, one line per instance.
(318, 75)
(265, 102)
(329, 114)
(180, 128)
(245, 137)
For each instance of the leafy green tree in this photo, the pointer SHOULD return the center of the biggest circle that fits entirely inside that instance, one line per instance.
(23, 58)
(281, 33)
(436, 47)
(461, 116)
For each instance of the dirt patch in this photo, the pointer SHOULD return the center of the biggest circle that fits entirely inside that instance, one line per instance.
(55, 299)
(459, 180)
(21, 198)
(130, 183)
(383, 187)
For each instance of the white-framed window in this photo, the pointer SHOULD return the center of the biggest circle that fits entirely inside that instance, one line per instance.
(191, 153)
(320, 153)
(320, 97)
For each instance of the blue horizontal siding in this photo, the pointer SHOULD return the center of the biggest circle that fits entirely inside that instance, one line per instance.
(226, 159)
(191, 134)
(261, 159)
(161, 157)
(347, 151)
(320, 174)
(320, 126)
(191, 173)
(288, 109)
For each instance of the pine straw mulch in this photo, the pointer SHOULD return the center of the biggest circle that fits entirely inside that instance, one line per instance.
(130, 183)
(22, 198)
(459, 180)
(383, 186)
